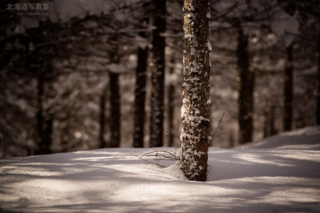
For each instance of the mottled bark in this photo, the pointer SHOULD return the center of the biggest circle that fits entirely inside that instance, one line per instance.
(288, 91)
(157, 74)
(245, 88)
(114, 110)
(196, 103)
(171, 94)
(140, 96)
(102, 117)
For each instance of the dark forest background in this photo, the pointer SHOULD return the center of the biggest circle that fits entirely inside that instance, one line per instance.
(83, 74)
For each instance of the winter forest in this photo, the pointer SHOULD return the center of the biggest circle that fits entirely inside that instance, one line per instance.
(100, 74)
(115, 105)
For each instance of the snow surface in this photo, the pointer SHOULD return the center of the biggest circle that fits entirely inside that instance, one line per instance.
(281, 179)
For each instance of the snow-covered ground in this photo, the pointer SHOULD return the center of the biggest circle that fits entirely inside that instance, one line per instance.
(281, 179)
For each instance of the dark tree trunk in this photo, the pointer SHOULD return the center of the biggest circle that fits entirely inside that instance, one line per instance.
(102, 117)
(39, 116)
(171, 94)
(273, 130)
(245, 88)
(157, 74)
(140, 96)
(318, 86)
(266, 124)
(269, 128)
(231, 139)
(114, 110)
(2, 147)
(42, 139)
(288, 91)
(49, 132)
(196, 89)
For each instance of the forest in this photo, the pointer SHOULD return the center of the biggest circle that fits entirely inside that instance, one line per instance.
(83, 75)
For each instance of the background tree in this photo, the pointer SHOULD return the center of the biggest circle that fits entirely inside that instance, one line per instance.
(157, 73)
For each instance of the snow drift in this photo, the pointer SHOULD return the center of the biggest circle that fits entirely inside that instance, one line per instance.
(282, 179)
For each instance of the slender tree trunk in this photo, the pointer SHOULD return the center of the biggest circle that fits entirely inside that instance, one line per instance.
(269, 127)
(245, 87)
(266, 124)
(102, 117)
(288, 91)
(41, 137)
(272, 128)
(196, 87)
(48, 133)
(171, 94)
(39, 115)
(44, 126)
(140, 96)
(2, 147)
(114, 110)
(231, 139)
(157, 74)
(318, 83)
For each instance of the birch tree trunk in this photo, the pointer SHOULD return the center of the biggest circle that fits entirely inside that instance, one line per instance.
(157, 73)
(196, 103)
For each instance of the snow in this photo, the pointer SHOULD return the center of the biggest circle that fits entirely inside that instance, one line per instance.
(309, 135)
(284, 178)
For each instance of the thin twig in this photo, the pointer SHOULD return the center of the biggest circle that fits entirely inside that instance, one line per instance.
(215, 132)
(159, 156)
(169, 132)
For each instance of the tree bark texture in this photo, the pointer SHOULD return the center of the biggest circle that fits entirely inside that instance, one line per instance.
(140, 96)
(114, 110)
(245, 88)
(196, 103)
(157, 74)
(288, 91)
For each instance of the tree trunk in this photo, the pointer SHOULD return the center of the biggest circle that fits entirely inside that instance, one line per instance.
(245, 88)
(48, 133)
(157, 74)
(269, 127)
(140, 96)
(195, 108)
(39, 116)
(43, 144)
(171, 94)
(102, 117)
(288, 91)
(273, 130)
(114, 110)
(266, 124)
(318, 86)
